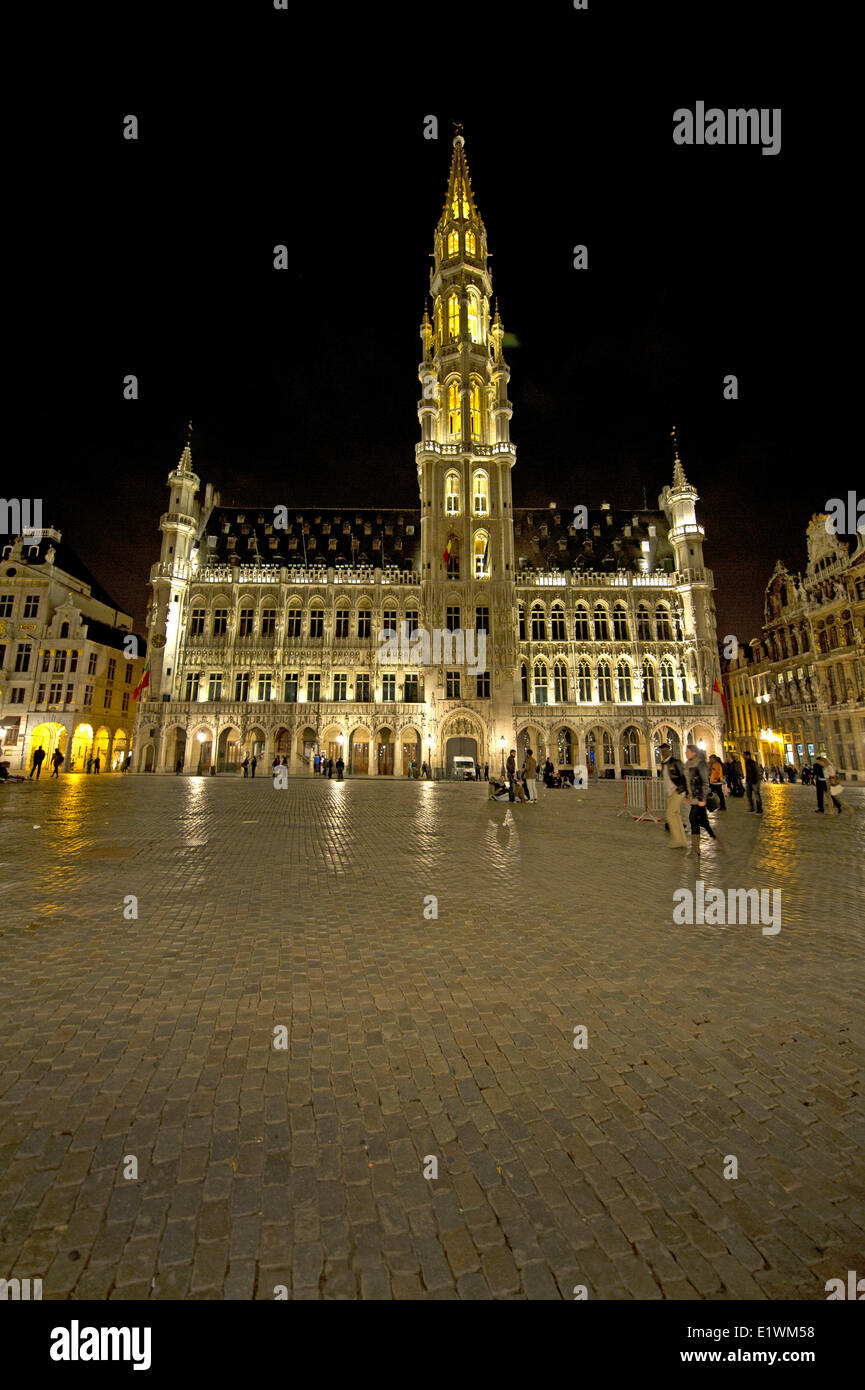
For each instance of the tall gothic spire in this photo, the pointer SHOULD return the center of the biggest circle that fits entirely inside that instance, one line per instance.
(679, 479)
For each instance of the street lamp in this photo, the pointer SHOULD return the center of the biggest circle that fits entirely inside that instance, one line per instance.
(502, 746)
(201, 742)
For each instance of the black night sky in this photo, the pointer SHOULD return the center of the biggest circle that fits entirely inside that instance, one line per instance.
(302, 385)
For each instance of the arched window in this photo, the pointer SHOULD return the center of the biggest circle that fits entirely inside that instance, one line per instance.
(605, 681)
(609, 760)
(316, 622)
(454, 412)
(482, 554)
(64, 629)
(471, 244)
(630, 748)
(452, 494)
(623, 682)
(584, 683)
(453, 560)
(581, 624)
(438, 321)
(480, 493)
(539, 624)
(662, 623)
(475, 410)
(540, 683)
(460, 203)
(560, 683)
(620, 623)
(650, 690)
(557, 623)
(454, 318)
(602, 626)
(794, 644)
(521, 623)
(474, 306)
(524, 684)
(668, 681)
(644, 625)
(453, 243)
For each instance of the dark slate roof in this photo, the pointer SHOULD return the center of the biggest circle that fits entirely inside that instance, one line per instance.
(66, 559)
(110, 636)
(378, 537)
(545, 538)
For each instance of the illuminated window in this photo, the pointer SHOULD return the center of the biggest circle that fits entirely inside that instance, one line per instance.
(540, 683)
(452, 494)
(313, 686)
(474, 317)
(623, 680)
(481, 492)
(560, 683)
(482, 554)
(453, 318)
(475, 410)
(265, 685)
(584, 682)
(539, 625)
(630, 748)
(460, 200)
(471, 244)
(668, 681)
(453, 243)
(454, 412)
(388, 688)
(605, 681)
(340, 686)
(650, 691)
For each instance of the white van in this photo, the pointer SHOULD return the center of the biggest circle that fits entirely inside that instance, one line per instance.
(464, 769)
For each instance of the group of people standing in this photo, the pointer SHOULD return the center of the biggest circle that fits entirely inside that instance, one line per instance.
(326, 767)
(93, 763)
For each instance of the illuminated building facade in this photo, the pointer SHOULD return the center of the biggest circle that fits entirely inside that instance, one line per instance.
(807, 677)
(66, 680)
(597, 628)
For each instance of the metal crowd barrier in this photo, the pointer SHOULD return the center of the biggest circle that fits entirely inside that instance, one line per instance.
(645, 798)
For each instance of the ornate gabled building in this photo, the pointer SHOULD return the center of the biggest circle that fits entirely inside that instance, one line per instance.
(807, 675)
(69, 661)
(588, 635)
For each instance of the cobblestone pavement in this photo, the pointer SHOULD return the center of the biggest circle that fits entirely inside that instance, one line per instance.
(412, 1037)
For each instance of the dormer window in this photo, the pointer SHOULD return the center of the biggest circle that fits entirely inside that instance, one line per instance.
(471, 244)
(453, 243)
(480, 493)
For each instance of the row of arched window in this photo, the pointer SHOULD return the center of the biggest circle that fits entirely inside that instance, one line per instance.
(448, 246)
(660, 682)
(599, 625)
(480, 493)
(447, 318)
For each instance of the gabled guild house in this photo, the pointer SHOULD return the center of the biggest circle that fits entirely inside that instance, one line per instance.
(69, 660)
(266, 622)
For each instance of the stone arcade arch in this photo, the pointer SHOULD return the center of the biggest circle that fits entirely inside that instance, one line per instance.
(50, 736)
(358, 751)
(384, 752)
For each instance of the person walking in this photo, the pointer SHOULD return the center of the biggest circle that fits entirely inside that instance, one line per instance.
(486, 772)
(716, 777)
(97, 763)
(244, 766)
(38, 760)
(511, 768)
(254, 764)
(275, 764)
(675, 785)
(827, 780)
(340, 768)
(424, 770)
(330, 767)
(531, 772)
(178, 767)
(697, 778)
(57, 763)
(752, 784)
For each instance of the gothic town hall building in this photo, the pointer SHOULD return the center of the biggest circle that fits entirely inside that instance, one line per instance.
(590, 638)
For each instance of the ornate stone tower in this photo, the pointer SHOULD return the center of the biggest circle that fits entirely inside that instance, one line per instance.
(166, 615)
(697, 583)
(464, 463)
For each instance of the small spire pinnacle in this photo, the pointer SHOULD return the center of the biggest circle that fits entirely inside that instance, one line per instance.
(679, 479)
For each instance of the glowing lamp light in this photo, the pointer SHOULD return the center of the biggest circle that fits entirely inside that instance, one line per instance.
(202, 738)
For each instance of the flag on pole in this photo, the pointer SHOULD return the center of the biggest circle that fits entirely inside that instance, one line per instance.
(718, 688)
(144, 682)
(486, 554)
(448, 548)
